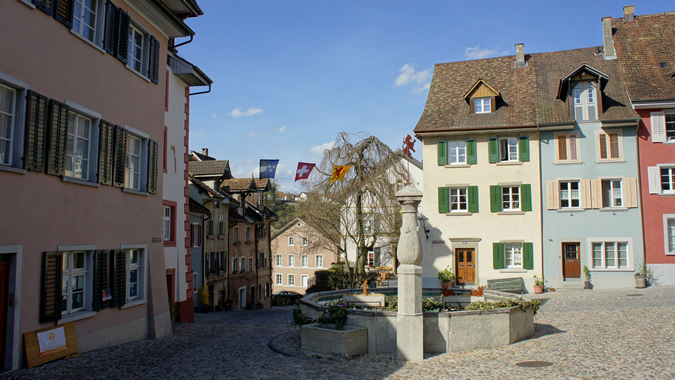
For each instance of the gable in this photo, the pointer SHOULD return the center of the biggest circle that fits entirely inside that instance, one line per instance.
(480, 89)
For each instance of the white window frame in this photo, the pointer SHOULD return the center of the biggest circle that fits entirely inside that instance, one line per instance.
(511, 199)
(584, 95)
(144, 139)
(513, 254)
(11, 114)
(508, 149)
(137, 61)
(86, 311)
(247, 234)
(250, 264)
(291, 241)
(670, 126)
(235, 265)
(68, 273)
(166, 222)
(78, 112)
(456, 152)
(305, 241)
(572, 148)
(482, 105)
(235, 235)
(278, 260)
(13, 161)
(608, 145)
(142, 267)
(304, 261)
(305, 281)
(242, 264)
(319, 261)
(291, 280)
(669, 234)
(455, 202)
(370, 259)
(670, 180)
(567, 194)
(604, 246)
(291, 260)
(279, 279)
(609, 200)
(95, 38)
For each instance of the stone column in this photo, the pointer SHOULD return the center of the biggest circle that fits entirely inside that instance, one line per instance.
(410, 320)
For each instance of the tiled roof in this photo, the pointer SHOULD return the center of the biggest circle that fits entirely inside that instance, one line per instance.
(528, 94)
(209, 168)
(642, 47)
(238, 185)
(202, 157)
(262, 184)
(212, 193)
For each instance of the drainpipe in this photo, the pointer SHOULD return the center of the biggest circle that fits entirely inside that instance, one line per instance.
(541, 204)
(183, 43)
(201, 92)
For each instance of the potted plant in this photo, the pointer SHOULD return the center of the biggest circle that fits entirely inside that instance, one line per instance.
(587, 275)
(538, 284)
(642, 274)
(447, 277)
(205, 299)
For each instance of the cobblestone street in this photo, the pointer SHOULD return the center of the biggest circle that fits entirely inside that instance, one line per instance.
(620, 333)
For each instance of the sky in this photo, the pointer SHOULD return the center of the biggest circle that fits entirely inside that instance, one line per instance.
(289, 75)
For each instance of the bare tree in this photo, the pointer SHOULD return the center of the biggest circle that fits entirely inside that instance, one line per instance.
(360, 209)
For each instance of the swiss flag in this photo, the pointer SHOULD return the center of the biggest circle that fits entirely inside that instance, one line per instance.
(303, 170)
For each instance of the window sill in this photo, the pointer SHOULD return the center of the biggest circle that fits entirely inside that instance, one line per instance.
(670, 141)
(458, 213)
(134, 303)
(616, 161)
(457, 166)
(132, 191)
(513, 270)
(516, 212)
(221, 237)
(137, 73)
(210, 236)
(76, 317)
(666, 194)
(568, 162)
(80, 181)
(88, 42)
(169, 243)
(612, 209)
(236, 243)
(12, 169)
(611, 270)
(508, 163)
(571, 209)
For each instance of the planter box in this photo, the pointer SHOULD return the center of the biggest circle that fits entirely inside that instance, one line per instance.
(448, 301)
(373, 300)
(326, 342)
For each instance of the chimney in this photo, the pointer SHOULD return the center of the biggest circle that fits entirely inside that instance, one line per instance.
(607, 33)
(205, 151)
(629, 13)
(520, 56)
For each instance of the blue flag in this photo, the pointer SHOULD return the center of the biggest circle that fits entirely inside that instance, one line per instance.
(268, 168)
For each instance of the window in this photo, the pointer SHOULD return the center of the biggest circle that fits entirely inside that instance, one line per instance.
(511, 198)
(610, 254)
(235, 235)
(305, 241)
(132, 169)
(370, 224)
(304, 260)
(221, 226)
(513, 255)
(278, 277)
(136, 41)
(277, 260)
(670, 126)
(88, 18)
(481, 105)
(370, 260)
(508, 149)
(669, 233)
(668, 180)
(235, 265)
(291, 279)
(10, 131)
(609, 146)
(456, 152)
(585, 107)
(166, 223)
(291, 260)
(291, 241)
(612, 195)
(319, 261)
(242, 264)
(209, 229)
(196, 234)
(569, 194)
(250, 264)
(223, 262)
(458, 199)
(74, 282)
(248, 234)
(305, 281)
(135, 275)
(143, 53)
(567, 147)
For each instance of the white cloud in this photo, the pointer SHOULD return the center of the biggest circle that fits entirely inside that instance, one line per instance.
(318, 150)
(423, 88)
(475, 52)
(249, 112)
(215, 115)
(252, 134)
(408, 75)
(282, 129)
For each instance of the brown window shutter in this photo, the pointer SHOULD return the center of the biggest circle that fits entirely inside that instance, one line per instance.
(472, 105)
(101, 279)
(36, 131)
(120, 157)
(63, 12)
(58, 130)
(106, 153)
(123, 36)
(119, 277)
(112, 28)
(153, 66)
(153, 166)
(50, 301)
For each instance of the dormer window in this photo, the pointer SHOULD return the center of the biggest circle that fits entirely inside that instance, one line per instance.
(585, 107)
(582, 91)
(482, 105)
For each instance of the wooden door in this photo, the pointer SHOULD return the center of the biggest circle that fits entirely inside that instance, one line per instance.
(4, 283)
(466, 265)
(571, 267)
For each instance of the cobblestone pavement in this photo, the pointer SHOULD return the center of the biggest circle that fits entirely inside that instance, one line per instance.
(600, 334)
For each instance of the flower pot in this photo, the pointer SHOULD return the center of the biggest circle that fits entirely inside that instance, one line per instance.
(539, 289)
(587, 285)
(447, 284)
(640, 281)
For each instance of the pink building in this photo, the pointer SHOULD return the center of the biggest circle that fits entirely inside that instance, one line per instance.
(83, 92)
(644, 47)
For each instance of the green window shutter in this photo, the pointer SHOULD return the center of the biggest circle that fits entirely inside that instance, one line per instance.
(120, 157)
(153, 158)
(493, 150)
(471, 156)
(442, 153)
(473, 198)
(36, 132)
(112, 28)
(63, 12)
(119, 278)
(526, 197)
(497, 255)
(58, 130)
(528, 255)
(495, 198)
(524, 148)
(50, 301)
(106, 153)
(101, 279)
(123, 36)
(443, 200)
(153, 66)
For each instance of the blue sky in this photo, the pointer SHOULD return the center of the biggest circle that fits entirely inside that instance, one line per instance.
(290, 75)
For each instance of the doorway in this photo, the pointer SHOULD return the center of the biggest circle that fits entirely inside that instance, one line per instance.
(571, 266)
(466, 265)
(242, 297)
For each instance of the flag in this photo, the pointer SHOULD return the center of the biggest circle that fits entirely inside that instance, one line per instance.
(303, 170)
(268, 168)
(339, 173)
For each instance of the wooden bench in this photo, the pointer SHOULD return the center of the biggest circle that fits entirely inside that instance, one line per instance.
(511, 285)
